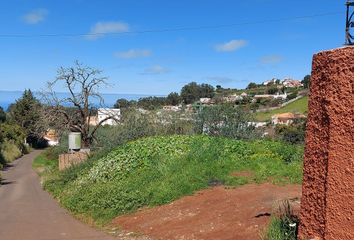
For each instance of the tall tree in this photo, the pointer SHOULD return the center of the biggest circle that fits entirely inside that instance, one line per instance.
(122, 103)
(252, 85)
(83, 84)
(193, 92)
(173, 99)
(306, 81)
(206, 90)
(2, 115)
(26, 113)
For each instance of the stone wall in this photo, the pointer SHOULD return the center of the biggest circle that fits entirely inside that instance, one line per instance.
(69, 159)
(327, 205)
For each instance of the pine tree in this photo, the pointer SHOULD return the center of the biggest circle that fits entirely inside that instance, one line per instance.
(26, 113)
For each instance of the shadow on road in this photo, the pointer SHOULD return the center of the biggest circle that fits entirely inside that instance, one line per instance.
(4, 182)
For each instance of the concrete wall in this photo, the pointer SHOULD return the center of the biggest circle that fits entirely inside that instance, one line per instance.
(327, 205)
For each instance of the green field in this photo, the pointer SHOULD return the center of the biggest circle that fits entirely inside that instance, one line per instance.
(158, 170)
(299, 106)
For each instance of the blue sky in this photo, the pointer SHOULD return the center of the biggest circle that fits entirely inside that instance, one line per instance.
(160, 62)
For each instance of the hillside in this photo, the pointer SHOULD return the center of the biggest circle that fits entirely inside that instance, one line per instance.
(157, 170)
(298, 106)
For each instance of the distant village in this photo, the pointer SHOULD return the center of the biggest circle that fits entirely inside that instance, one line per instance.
(283, 92)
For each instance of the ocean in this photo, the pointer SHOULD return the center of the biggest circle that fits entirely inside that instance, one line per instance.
(9, 97)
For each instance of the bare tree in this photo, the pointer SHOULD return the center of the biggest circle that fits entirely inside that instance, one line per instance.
(73, 112)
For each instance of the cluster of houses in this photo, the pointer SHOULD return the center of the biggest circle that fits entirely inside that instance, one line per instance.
(286, 82)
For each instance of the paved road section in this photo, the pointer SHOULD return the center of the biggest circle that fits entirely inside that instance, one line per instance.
(29, 213)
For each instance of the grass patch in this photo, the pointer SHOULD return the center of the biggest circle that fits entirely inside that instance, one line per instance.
(300, 106)
(283, 225)
(42, 162)
(157, 170)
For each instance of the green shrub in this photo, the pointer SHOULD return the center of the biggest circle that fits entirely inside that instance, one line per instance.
(10, 151)
(157, 170)
(294, 133)
(227, 121)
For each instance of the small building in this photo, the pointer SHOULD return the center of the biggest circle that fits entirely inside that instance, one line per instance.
(51, 137)
(231, 98)
(113, 115)
(276, 96)
(104, 113)
(244, 94)
(273, 81)
(263, 96)
(206, 101)
(172, 108)
(280, 96)
(286, 118)
(290, 83)
(257, 124)
(92, 120)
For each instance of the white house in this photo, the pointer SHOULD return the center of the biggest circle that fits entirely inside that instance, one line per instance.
(273, 81)
(51, 137)
(172, 108)
(103, 113)
(290, 83)
(276, 96)
(206, 101)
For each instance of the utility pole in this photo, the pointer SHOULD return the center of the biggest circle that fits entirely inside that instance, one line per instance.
(349, 38)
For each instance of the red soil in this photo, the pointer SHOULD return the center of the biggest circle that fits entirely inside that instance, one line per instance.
(216, 213)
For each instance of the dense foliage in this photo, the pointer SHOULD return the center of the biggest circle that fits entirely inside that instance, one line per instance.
(26, 112)
(158, 170)
(306, 81)
(2, 115)
(12, 145)
(193, 92)
(226, 120)
(293, 133)
(151, 103)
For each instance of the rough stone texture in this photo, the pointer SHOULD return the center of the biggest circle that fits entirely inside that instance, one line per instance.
(69, 159)
(327, 205)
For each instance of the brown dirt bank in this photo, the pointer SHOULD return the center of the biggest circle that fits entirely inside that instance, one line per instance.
(215, 213)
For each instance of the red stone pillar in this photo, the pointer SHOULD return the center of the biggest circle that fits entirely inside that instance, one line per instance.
(327, 204)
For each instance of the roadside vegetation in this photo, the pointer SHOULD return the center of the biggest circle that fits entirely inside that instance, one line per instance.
(283, 224)
(158, 153)
(12, 145)
(157, 170)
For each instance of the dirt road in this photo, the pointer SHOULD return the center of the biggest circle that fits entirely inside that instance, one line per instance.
(27, 212)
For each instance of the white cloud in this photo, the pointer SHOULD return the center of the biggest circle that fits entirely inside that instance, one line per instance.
(101, 28)
(154, 70)
(35, 16)
(271, 59)
(231, 46)
(133, 53)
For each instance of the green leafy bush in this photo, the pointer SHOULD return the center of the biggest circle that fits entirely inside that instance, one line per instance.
(9, 151)
(157, 170)
(294, 133)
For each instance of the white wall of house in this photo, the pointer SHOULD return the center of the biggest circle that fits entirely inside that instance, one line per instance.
(103, 113)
